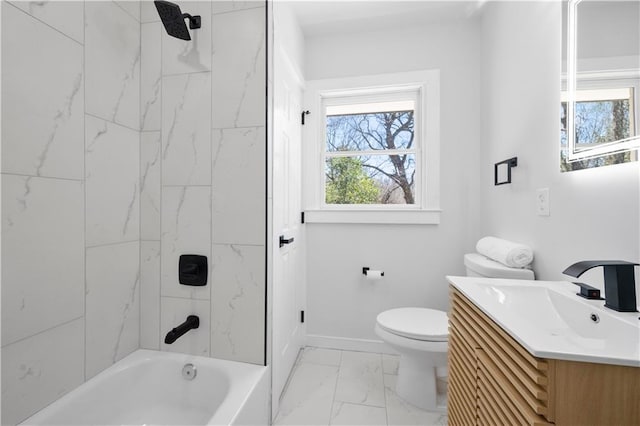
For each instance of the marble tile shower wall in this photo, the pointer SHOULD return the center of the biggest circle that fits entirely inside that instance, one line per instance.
(202, 165)
(70, 196)
(123, 148)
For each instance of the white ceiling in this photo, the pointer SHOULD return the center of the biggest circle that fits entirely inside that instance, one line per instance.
(318, 18)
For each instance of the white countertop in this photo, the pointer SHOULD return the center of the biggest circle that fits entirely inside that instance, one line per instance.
(551, 321)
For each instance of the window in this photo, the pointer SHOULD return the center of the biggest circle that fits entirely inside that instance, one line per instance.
(604, 120)
(370, 152)
(375, 151)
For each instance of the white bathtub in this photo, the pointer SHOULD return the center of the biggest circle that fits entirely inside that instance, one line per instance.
(147, 388)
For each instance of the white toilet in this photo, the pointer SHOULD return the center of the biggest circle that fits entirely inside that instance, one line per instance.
(420, 336)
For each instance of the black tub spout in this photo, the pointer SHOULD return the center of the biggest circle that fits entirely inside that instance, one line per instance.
(192, 322)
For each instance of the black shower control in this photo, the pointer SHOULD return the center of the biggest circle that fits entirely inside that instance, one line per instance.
(192, 270)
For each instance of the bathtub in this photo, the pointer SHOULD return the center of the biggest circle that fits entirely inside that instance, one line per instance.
(148, 388)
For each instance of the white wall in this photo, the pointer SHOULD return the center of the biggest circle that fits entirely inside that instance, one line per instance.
(415, 258)
(594, 213)
(605, 29)
(608, 29)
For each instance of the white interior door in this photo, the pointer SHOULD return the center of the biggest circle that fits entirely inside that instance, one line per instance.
(287, 258)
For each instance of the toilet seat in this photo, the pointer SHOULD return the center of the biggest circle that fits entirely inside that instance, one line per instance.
(416, 323)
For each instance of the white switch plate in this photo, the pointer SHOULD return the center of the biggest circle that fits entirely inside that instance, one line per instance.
(542, 202)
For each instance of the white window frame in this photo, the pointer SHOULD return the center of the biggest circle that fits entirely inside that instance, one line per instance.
(320, 93)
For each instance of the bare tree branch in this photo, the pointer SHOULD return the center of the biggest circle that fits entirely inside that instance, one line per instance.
(393, 177)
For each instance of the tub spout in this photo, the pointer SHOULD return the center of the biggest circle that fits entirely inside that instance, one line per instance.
(192, 322)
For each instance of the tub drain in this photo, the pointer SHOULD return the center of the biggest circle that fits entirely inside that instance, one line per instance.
(189, 371)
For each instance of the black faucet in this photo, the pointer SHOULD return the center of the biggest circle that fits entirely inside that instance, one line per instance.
(191, 322)
(619, 282)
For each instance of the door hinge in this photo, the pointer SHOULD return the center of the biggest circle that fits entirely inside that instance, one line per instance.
(303, 114)
(301, 217)
(301, 316)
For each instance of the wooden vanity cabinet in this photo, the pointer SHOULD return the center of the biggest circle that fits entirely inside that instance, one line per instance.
(493, 380)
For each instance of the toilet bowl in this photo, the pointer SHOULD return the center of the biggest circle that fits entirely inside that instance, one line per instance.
(420, 336)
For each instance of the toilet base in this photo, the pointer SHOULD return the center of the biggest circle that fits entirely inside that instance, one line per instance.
(419, 360)
(417, 380)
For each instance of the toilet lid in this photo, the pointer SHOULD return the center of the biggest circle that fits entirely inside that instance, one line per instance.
(416, 323)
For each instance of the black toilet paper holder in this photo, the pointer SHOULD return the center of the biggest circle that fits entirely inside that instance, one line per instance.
(365, 271)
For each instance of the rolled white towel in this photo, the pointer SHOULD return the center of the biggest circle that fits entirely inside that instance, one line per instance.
(506, 252)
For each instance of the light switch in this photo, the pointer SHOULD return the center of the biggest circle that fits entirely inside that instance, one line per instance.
(542, 202)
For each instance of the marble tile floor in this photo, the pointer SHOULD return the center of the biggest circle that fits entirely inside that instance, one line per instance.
(333, 387)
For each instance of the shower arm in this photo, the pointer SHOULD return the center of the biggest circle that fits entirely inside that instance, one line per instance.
(195, 22)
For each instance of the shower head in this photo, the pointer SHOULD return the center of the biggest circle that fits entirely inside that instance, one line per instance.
(173, 19)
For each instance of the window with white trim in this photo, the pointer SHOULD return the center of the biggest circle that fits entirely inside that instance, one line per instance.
(605, 122)
(373, 155)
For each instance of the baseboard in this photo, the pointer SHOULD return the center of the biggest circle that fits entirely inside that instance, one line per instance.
(348, 344)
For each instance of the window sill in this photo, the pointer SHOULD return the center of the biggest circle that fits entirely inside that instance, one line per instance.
(396, 217)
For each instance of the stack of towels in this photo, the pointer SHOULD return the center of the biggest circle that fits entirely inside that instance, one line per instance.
(506, 252)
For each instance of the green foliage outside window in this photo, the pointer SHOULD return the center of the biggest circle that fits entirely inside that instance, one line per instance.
(347, 182)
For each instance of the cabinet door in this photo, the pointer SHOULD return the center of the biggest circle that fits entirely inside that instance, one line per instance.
(500, 402)
(597, 394)
(493, 380)
(462, 387)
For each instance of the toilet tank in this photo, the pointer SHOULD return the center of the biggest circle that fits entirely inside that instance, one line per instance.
(480, 266)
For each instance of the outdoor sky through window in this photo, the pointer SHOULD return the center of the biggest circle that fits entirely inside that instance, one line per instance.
(370, 153)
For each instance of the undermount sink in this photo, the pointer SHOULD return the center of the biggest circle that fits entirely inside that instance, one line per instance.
(551, 321)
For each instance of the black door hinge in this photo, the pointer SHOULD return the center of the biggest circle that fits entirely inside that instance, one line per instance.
(303, 114)
(301, 316)
(301, 217)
